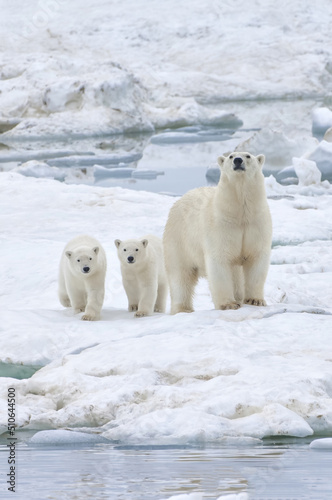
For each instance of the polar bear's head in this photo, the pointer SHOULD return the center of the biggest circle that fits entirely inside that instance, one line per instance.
(84, 260)
(131, 251)
(241, 164)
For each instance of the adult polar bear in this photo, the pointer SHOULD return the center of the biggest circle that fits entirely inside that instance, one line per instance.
(223, 233)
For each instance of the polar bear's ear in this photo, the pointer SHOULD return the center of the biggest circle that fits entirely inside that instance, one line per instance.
(221, 160)
(96, 250)
(69, 254)
(260, 159)
(117, 243)
(145, 243)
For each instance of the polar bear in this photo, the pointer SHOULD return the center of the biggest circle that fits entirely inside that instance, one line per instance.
(82, 276)
(143, 274)
(223, 233)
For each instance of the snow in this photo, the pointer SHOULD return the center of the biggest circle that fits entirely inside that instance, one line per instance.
(306, 171)
(62, 437)
(137, 67)
(200, 496)
(321, 120)
(321, 444)
(190, 378)
(131, 66)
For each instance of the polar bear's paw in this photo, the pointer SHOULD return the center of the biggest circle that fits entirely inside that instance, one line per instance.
(255, 302)
(140, 314)
(230, 305)
(65, 301)
(181, 309)
(89, 317)
(78, 310)
(132, 307)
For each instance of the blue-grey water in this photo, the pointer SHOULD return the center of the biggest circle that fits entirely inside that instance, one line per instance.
(280, 469)
(169, 161)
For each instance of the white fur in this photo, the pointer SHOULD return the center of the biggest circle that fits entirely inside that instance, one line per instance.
(144, 279)
(83, 291)
(223, 233)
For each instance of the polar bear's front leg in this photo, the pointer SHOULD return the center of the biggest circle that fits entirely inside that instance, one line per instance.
(220, 278)
(255, 272)
(148, 297)
(77, 297)
(62, 291)
(182, 283)
(131, 288)
(94, 304)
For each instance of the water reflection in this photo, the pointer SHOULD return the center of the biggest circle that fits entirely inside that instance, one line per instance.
(268, 471)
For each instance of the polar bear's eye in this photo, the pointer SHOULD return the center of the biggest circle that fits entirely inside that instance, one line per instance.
(248, 156)
(231, 157)
(78, 260)
(136, 249)
(90, 258)
(124, 249)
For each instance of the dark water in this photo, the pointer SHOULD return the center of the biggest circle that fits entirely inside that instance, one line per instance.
(287, 470)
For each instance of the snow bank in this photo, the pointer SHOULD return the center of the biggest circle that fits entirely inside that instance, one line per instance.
(107, 68)
(201, 377)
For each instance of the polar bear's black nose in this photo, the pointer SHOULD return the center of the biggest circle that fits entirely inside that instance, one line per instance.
(86, 269)
(238, 163)
(130, 258)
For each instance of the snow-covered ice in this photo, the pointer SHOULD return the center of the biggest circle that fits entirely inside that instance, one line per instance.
(138, 66)
(135, 66)
(200, 496)
(188, 378)
(306, 171)
(321, 444)
(321, 120)
(60, 437)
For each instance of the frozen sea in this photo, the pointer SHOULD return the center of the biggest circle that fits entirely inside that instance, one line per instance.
(107, 114)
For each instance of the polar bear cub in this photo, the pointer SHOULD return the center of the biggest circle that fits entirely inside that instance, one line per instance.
(82, 276)
(223, 233)
(143, 274)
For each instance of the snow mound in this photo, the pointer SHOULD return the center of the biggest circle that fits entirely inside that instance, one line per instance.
(321, 121)
(321, 444)
(59, 437)
(34, 168)
(306, 171)
(189, 496)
